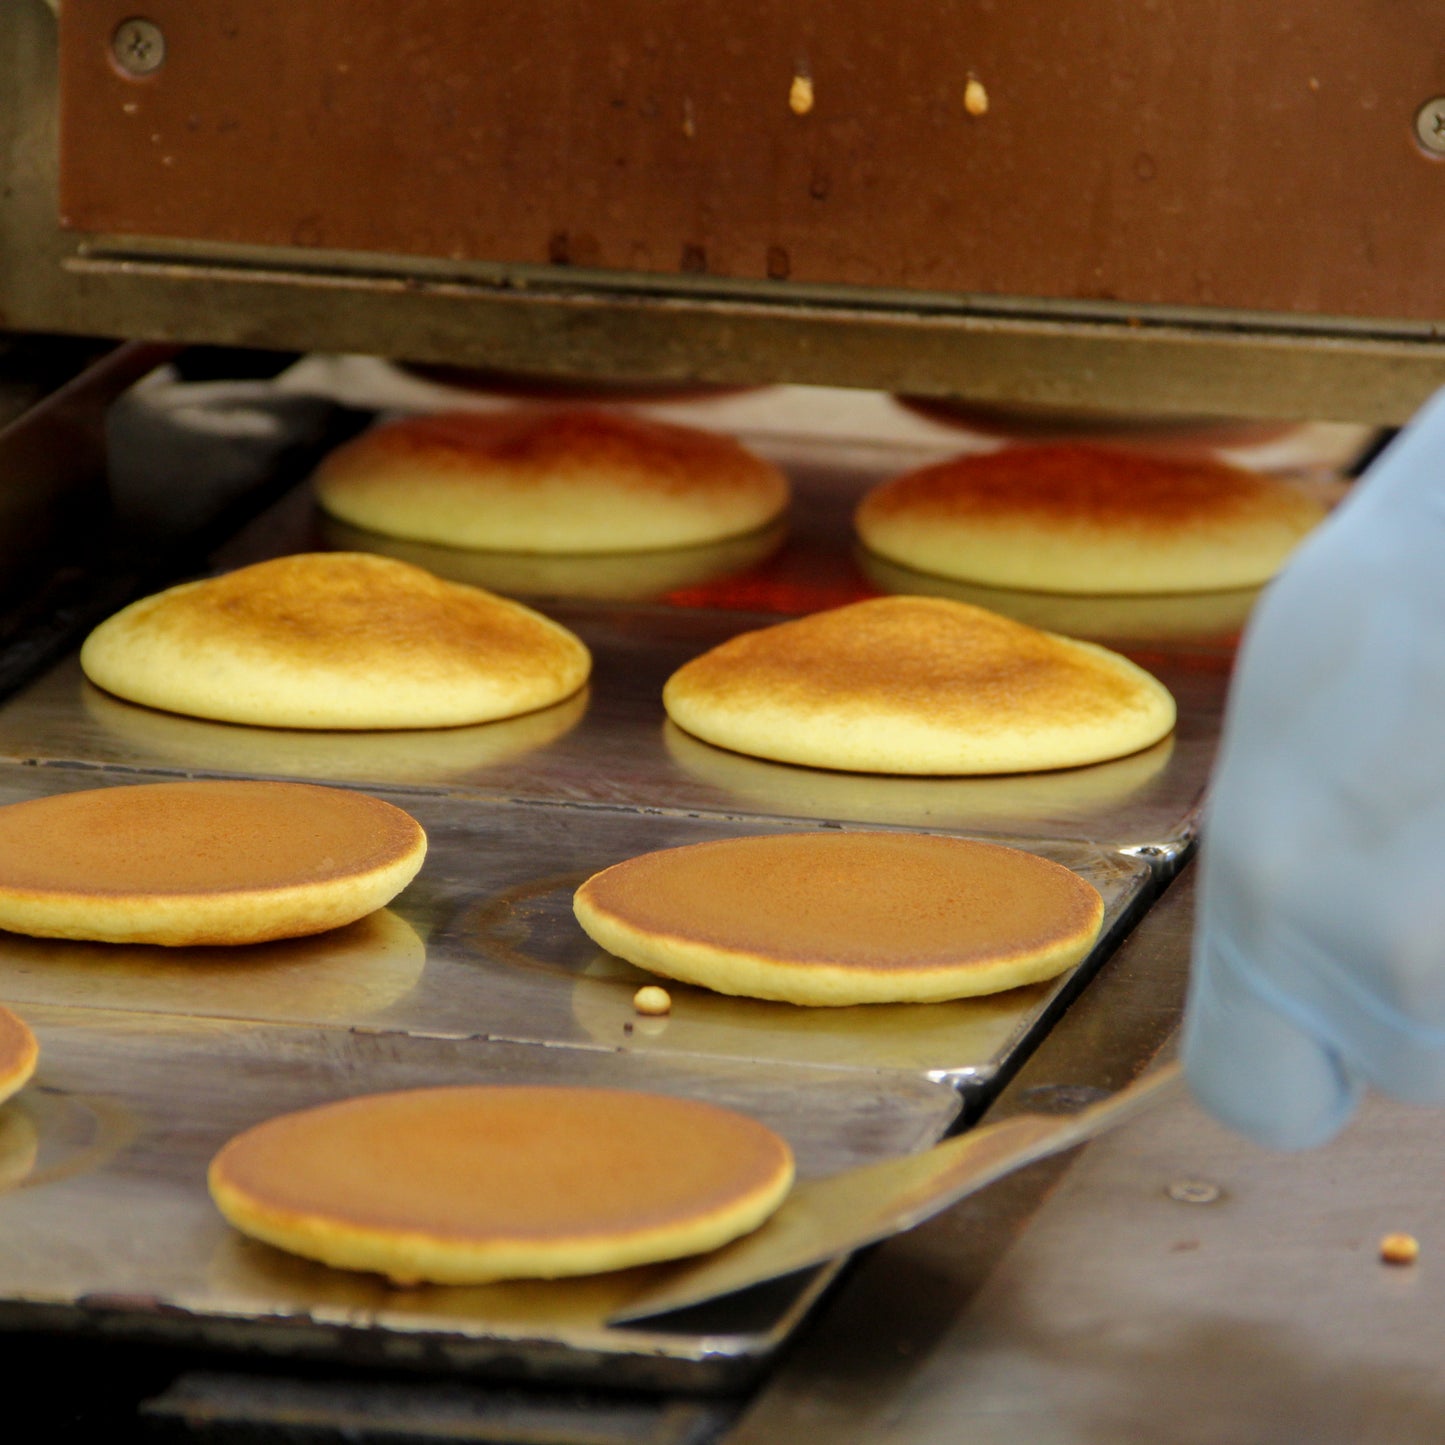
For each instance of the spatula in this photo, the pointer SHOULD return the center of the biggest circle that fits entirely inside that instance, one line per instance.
(822, 1218)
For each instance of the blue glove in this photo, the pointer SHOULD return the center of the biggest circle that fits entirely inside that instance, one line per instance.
(1319, 954)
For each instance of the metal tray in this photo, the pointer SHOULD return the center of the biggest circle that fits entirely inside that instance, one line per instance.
(106, 1225)
(484, 945)
(153, 1057)
(614, 746)
(477, 971)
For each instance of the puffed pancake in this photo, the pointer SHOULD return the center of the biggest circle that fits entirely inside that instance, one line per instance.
(1081, 519)
(844, 918)
(201, 862)
(340, 640)
(19, 1053)
(469, 1184)
(555, 481)
(918, 685)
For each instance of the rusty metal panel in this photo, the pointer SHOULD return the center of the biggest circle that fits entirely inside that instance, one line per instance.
(1144, 151)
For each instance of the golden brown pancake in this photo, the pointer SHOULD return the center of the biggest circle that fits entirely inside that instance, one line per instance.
(1021, 420)
(428, 755)
(1019, 804)
(550, 481)
(469, 1184)
(918, 685)
(610, 576)
(335, 640)
(844, 918)
(1197, 618)
(19, 1053)
(1078, 519)
(205, 862)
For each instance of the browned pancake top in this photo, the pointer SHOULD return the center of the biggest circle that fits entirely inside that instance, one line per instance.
(948, 663)
(1022, 419)
(880, 902)
(17, 1046)
(1082, 487)
(528, 446)
(329, 609)
(503, 1162)
(197, 838)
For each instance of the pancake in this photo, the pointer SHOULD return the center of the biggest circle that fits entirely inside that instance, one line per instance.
(1040, 421)
(428, 755)
(1078, 519)
(469, 1184)
(335, 640)
(605, 576)
(1198, 618)
(205, 862)
(830, 919)
(19, 1053)
(1049, 804)
(549, 481)
(918, 685)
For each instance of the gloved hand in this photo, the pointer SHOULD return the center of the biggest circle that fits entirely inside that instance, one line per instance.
(1319, 955)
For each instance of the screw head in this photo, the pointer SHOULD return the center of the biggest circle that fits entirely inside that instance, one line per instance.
(138, 47)
(1430, 126)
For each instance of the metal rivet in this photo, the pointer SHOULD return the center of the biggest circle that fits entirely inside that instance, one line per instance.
(138, 46)
(1194, 1191)
(1430, 126)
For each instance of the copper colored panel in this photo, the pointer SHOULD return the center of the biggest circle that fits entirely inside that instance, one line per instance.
(1230, 154)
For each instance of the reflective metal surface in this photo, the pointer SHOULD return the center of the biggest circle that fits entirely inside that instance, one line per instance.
(105, 1222)
(478, 970)
(364, 1408)
(1086, 1303)
(908, 1303)
(484, 945)
(615, 746)
(822, 1218)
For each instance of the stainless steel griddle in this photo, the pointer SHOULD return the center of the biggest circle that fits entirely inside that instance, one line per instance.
(483, 946)
(615, 748)
(152, 1058)
(112, 1229)
(687, 222)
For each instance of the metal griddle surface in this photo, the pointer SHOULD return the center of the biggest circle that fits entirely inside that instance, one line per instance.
(614, 747)
(105, 1222)
(152, 1058)
(484, 945)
